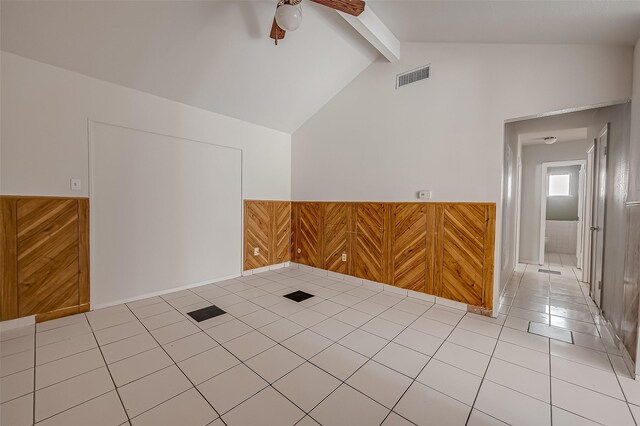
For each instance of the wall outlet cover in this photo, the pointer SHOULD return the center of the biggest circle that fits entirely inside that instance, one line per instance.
(424, 194)
(256, 251)
(344, 257)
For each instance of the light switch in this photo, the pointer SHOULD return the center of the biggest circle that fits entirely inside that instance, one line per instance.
(76, 185)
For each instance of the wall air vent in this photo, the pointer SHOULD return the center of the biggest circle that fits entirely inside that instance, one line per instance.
(413, 76)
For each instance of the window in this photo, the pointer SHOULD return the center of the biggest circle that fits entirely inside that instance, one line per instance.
(559, 186)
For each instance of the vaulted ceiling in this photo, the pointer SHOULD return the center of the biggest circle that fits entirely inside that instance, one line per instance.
(216, 55)
(209, 54)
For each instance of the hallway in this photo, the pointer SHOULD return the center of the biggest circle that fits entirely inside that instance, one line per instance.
(589, 377)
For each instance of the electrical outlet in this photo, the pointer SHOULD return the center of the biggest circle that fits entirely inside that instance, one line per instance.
(344, 257)
(76, 184)
(424, 194)
(299, 251)
(256, 251)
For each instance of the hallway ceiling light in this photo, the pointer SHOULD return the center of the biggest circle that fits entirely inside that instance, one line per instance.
(550, 140)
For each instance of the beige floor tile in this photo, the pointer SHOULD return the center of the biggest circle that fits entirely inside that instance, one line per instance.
(426, 406)
(478, 418)
(249, 345)
(512, 407)
(274, 363)
(307, 385)
(188, 408)
(268, 407)
(65, 368)
(418, 341)
(402, 359)
(281, 329)
(232, 387)
(130, 346)
(383, 328)
(64, 395)
(154, 389)
(174, 332)
(451, 381)
(380, 383)
(184, 348)
(119, 332)
(339, 361)
(394, 419)
(348, 407)
(208, 364)
(524, 357)
(16, 385)
(17, 412)
(65, 348)
(528, 382)
(17, 362)
(105, 410)
(598, 380)
(592, 405)
(228, 331)
(306, 343)
(138, 366)
(564, 418)
(364, 343)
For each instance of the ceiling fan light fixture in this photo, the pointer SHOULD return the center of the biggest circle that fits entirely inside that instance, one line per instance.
(289, 17)
(550, 140)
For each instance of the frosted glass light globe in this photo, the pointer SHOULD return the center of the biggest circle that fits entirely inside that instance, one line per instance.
(289, 17)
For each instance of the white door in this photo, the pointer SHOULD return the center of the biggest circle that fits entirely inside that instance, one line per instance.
(599, 213)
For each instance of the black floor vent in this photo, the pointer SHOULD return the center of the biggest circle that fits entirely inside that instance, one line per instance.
(549, 271)
(298, 296)
(206, 313)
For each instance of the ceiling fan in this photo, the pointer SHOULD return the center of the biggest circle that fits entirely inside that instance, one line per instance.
(289, 14)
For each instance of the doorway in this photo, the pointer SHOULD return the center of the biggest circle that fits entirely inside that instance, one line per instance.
(562, 213)
(597, 228)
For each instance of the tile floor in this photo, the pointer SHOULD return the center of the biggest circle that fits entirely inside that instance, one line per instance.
(351, 355)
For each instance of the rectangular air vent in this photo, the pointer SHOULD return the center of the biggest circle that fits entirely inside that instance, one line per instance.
(413, 76)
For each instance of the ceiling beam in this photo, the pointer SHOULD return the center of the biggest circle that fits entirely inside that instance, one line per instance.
(375, 32)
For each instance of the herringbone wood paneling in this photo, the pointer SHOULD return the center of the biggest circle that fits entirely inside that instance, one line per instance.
(463, 232)
(257, 233)
(444, 249)
(308, 234)
(336, 236)
(369, 241)
(8, 259)
(281, 232)
(409, 246)
(48, 266)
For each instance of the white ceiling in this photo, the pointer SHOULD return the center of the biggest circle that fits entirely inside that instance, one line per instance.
(512, 21)
(212, 55)
(216, 55)
(563, 135)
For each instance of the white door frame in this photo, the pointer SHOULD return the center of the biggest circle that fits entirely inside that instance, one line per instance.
(543, 198)
(588, 214)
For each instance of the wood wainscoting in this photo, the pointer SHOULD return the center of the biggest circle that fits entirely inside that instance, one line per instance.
(44, 261)
(444, 249)
(267, 227)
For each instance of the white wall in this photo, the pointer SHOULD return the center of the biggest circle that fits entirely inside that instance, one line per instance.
(44, 113)
(634, 177)
(169, 217)
(510, 188)
(372, 142)
(532, 158)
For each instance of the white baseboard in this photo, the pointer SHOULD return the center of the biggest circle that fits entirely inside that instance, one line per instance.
(17, 323)
(161, 292)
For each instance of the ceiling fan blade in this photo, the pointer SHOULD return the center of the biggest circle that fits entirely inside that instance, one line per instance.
(352, 7)
(277, 33)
